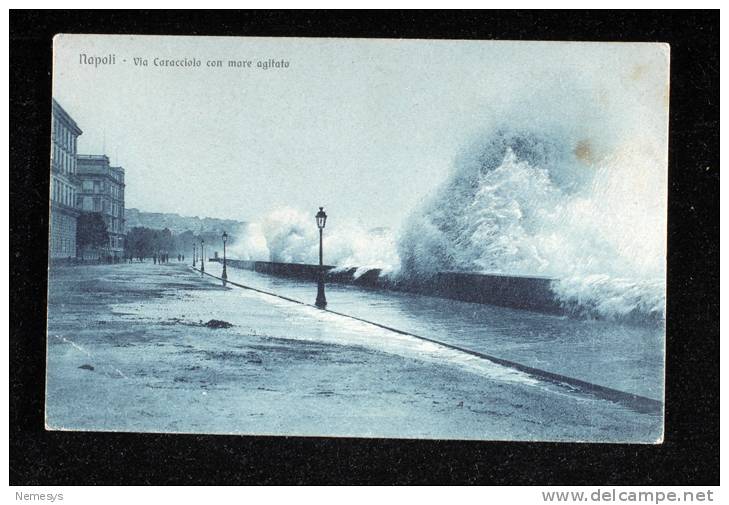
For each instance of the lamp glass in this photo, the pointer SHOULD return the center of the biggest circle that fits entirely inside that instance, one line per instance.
(321, 218)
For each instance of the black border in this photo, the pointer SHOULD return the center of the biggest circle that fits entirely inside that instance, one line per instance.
(690, 454)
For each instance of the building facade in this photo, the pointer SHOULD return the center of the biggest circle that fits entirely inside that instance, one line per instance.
(102, 191)
(65, 184)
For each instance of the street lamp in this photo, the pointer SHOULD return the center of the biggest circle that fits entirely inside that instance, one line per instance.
(194, 254)
(202, 257)
(321, 220)
(225, 273)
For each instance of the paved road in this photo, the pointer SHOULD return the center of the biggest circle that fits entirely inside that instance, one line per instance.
(626, 357)
(148, 363)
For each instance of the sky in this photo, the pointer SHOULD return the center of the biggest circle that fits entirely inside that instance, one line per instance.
(365, 128)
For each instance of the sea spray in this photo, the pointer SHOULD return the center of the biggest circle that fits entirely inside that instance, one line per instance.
(250, 244)
(290, 236)
(520, 203)
(531, 202)
(564, 177)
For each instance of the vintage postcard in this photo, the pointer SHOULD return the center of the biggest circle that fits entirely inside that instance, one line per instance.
(435, 239)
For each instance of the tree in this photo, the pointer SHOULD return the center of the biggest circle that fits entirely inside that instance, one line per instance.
(184, 241)
(140, 242)
(91, 232)
(165, 242)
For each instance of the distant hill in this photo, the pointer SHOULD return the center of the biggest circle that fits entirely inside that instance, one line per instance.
(179, 224)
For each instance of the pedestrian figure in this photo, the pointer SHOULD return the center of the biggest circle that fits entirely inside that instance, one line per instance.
(154, 258)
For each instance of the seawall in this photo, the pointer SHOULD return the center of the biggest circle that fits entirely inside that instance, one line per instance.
(521, 292)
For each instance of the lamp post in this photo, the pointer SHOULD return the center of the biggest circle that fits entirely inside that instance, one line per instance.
(225, 273)
(202, 257)
(321, 220)
(194, 254)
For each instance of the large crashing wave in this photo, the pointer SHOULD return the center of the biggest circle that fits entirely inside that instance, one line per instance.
(546, 202)
(290, 236)
(529, 201)
(519, 201)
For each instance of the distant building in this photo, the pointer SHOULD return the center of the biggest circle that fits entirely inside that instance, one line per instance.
(102, 190)
(64, 184)
(179, 224)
